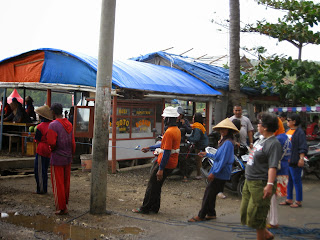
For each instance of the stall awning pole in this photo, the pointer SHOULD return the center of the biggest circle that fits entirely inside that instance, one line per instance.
(114, 134)
(2, 114)
(49, 97)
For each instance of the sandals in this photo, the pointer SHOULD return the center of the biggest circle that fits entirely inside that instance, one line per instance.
(208, 218)
(272, 226)
(291, 204)
(221, 195)
(286, 203)
(196, 219)
(62, 212)
(198, 177)
(138, 210)
(269, 235)
(296, 205)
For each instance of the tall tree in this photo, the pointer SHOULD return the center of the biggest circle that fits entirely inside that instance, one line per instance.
(234, 45)
(294, 27)
(294, 80)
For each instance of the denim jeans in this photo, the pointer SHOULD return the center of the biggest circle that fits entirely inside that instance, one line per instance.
(294, 180)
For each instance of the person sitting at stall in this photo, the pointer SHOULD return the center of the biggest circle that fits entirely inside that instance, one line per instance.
(18, 114)
(71, 113)
(7, 109)
(30, 108)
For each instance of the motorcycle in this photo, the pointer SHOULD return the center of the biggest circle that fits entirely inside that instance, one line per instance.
(312, 162)
(236, 182)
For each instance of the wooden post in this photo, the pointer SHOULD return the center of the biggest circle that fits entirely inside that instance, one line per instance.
(207, 118)
(49, 97)
(114, 134)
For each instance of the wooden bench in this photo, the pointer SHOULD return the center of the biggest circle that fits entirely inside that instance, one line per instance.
(13, 138)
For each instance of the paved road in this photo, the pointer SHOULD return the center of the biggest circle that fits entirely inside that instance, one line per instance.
(293, 222)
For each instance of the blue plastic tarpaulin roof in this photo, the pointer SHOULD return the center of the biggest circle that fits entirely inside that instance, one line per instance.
(62, 67)
(214, 76)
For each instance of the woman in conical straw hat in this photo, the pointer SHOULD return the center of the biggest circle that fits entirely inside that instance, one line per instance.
(42, 160)
(220, 171)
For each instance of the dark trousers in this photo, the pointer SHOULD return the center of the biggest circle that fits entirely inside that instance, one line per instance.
(41, 165)
(183, 161)
(209, 198)
(151, 201)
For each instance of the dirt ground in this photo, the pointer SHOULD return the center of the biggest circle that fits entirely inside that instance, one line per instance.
(31, 216)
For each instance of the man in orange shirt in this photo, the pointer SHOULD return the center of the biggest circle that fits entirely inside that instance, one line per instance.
(167, 161)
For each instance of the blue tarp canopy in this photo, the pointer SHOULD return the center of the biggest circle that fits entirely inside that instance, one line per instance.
(214, 76)
(62, 67)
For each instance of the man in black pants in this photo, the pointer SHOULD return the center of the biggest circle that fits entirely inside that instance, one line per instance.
(167, 161)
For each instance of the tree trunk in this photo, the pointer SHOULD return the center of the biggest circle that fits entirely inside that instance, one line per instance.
(234, 45)
(300, 51)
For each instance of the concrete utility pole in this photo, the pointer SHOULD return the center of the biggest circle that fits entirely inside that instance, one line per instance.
(102, 109)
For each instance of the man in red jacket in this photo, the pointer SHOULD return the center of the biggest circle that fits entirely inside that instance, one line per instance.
(61, 141)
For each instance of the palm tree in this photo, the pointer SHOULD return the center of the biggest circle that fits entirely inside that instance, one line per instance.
(234, 45)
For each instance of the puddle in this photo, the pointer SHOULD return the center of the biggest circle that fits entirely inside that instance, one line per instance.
(66, 230)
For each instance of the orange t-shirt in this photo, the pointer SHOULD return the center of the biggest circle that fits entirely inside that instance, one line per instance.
(280, 129)
(290, 132)
(171, 141)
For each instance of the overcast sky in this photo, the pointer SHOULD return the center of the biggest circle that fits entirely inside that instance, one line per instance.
(142, 26)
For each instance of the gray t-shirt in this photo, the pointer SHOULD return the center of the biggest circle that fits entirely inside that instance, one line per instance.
(266, 153)
(246, 126)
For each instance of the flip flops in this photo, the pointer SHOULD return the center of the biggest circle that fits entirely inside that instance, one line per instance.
(285, 203)
(62, 212)
(138, 210)
(272, 226)
(208, 218)
(296, 205)
(196, 219)
(221, 195)
(269, 235)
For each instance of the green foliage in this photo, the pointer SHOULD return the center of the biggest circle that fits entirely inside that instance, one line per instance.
(294, 27)
(274, 75)
(294, 80)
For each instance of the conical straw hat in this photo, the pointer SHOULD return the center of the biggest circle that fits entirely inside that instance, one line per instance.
(226, 124)
(44, 111)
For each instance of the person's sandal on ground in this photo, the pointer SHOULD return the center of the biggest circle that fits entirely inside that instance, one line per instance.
(208, 218)
(221, 195)
(196, 219)
(198, 177)
(62, 212)
(296, 205)
(268, 235)
(285, 203)
(138, 210)
(272, 226)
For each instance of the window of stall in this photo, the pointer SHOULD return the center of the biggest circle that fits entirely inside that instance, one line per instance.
(135, 120)
(132, 120)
